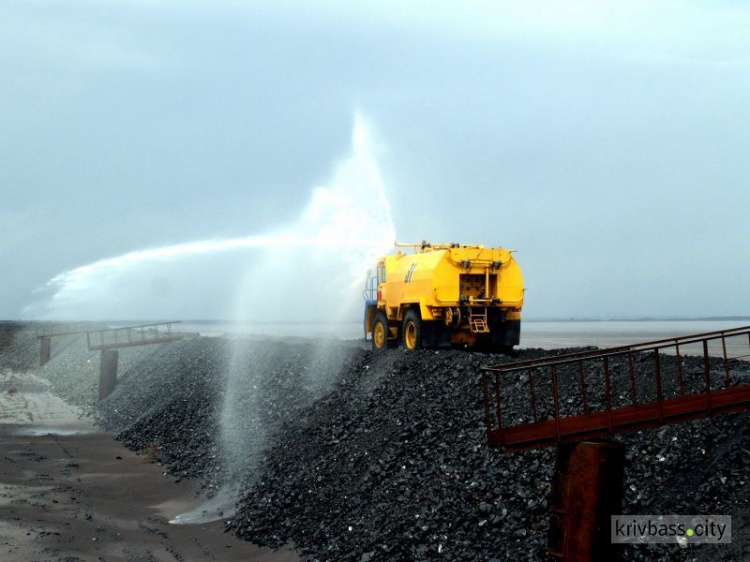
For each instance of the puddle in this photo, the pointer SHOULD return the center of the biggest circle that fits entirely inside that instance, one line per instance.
(221, 506)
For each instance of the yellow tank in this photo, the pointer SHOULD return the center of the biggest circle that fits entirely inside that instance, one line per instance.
(445, 294)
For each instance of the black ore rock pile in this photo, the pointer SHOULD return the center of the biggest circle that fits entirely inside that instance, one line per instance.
(209, 405)
(169, 404)
(392, 464)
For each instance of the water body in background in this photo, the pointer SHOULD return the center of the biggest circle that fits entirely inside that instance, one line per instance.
(552, 335)
(534, 334)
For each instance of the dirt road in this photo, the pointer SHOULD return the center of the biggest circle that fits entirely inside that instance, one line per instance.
(69, 492)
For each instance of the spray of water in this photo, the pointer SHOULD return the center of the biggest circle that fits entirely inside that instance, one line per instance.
(348, 224)
(311, 271)
(349, 218)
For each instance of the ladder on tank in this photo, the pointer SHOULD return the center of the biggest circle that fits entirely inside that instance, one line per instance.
(370, 296)
(478, 322)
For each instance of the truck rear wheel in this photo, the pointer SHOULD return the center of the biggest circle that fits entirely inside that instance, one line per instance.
(380, 332)
(412, 330)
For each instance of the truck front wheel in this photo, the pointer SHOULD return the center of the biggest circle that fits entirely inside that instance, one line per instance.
(412, 330)
(380, 332)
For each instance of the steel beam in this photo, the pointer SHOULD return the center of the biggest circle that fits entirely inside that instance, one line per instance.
(587, 488)
(45, 351)
(107, 372)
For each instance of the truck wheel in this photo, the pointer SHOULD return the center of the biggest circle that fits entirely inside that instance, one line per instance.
(380, 332)
(412, 330)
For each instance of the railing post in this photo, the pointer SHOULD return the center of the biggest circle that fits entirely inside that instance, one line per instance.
(557, 405)
(584, 394)
(727, 378)
(632, 378)
(497, 402)
(608, 390)
(486, 395)
(679, 369)
(707, 374)
(659, 397)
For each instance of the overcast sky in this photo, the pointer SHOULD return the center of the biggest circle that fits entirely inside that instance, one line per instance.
(607, 142)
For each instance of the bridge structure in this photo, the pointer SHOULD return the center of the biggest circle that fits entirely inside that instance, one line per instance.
(579, 401)
(108, 341)
(45, 333)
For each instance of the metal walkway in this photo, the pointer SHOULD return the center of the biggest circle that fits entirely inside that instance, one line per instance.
(584, 395)
(63, 329)
(130, 336)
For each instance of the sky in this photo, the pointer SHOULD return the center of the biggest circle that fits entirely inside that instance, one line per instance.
(606, 142)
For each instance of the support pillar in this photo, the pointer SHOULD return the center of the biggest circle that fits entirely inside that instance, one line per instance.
(587, 489)
(107, 372)
(45, 351)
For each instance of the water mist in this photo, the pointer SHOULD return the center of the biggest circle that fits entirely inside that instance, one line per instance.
(311, 272)
(348, 224)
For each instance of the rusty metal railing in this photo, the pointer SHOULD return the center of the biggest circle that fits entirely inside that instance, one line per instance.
(61, 329)
(595, 393)
(129, 336)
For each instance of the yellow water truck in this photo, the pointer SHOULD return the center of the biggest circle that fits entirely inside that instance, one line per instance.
(443, 294)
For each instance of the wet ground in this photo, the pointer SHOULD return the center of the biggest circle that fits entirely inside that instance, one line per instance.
(70, 492)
